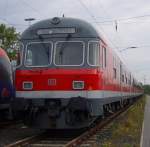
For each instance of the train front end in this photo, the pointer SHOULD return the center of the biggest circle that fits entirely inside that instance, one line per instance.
(6, 86)
(59, 76)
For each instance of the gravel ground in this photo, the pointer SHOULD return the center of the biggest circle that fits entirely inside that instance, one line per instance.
(12, 134)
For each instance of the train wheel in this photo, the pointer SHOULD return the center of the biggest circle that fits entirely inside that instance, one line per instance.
(113, 107)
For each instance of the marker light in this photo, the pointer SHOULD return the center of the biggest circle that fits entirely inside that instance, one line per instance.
(27, 85)
(78, 84)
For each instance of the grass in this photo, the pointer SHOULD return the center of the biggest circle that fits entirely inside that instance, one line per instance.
(126, 130)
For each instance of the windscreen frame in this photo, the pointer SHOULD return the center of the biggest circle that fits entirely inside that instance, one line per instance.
(83, 49)
(50, 57)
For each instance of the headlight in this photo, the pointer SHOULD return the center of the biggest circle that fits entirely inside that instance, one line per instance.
(78, 84)
(27, 85)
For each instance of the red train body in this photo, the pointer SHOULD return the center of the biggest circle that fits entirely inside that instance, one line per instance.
(72, 78)
(6, 86)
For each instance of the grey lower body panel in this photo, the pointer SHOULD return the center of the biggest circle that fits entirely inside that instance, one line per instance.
(64, 113)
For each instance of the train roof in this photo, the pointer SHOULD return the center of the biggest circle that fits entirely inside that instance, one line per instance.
(83, 28)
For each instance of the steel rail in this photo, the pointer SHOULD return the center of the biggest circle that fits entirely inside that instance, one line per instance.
(11, 123)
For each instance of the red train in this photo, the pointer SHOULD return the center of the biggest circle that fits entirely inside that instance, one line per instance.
(6, 86)
(69, 76)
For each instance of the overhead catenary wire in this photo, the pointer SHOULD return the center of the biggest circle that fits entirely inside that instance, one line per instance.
(12, 24)
(6, 21)
(106, 22)
(87, 9)
(95, 21)
(124, 19)
(104, 10)
(108, 14)
(34, 9)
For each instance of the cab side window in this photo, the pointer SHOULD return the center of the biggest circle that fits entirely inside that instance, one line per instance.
(17, 59)
(94, 53)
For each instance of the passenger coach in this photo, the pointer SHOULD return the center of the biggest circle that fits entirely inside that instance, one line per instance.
(68, 76)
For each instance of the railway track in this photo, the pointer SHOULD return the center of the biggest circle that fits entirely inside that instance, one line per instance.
(82, 139)
(11, 123)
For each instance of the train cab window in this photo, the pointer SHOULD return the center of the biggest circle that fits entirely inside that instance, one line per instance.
(69, 53)
(38, 54)
(94, 53)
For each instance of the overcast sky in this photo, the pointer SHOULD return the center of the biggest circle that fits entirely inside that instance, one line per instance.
(132, 30)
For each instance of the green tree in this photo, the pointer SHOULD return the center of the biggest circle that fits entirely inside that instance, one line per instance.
(8, 36)
(146, 89)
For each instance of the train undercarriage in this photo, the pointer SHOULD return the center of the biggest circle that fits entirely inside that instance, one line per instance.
(73, 113)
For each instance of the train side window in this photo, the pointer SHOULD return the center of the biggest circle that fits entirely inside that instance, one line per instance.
(114, 73)
(114, 67)
(120, 72)
(94, 53)
(122, 78)
(126, 80)
(130, 80)
(133, 83)
(104, 57)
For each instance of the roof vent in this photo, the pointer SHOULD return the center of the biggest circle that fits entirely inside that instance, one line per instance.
(55, 20)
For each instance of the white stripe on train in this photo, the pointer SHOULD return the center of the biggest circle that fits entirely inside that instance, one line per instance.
(69, 94)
